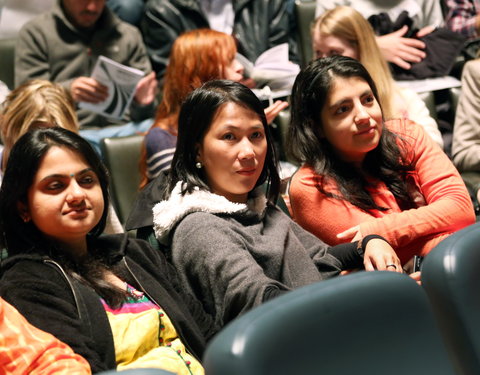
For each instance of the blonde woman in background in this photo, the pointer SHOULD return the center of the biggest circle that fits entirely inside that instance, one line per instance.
(344, 31)
(35, 103)
(40, 103)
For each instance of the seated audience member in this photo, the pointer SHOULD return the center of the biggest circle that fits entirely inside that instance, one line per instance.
(231, 245)
(466, 132)
(63, 45)
(463, 17)
(257, 25)
(25, 349)
(40, 103)
(112, 299)
(197, 56)
(344, 31)
(382, 177)
(395, 47)
(35, 103)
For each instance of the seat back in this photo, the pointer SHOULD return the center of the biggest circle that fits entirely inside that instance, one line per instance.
(7, 62)
(454, 96)
(450, 275)
(428, 98)
(305, 15)
(282, 121)
(122, 157)
(363, 323)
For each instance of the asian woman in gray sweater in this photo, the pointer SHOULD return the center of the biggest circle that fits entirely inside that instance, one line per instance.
(232, 246)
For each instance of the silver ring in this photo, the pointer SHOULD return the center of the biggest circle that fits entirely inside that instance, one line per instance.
(391, 265)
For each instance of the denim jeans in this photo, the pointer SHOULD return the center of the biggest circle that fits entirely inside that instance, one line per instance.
(95, 136)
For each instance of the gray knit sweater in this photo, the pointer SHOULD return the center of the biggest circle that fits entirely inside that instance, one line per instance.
(229, 254)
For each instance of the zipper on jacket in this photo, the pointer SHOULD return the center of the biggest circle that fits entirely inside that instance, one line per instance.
(191, 352)
(138, 282)
(75, 297)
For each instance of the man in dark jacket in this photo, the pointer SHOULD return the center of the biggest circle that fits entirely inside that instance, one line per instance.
(257, 25)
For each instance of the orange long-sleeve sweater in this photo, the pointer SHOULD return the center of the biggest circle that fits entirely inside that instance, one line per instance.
(446, 206)
(24, 349)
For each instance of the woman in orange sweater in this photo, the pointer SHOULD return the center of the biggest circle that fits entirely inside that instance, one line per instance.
(363, 175)
(25, 349)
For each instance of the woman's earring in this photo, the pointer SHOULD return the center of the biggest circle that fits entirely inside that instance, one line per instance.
(25, 218)
(198, 165)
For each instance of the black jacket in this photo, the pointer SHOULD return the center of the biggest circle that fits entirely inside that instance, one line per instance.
(146, 199)
(54, 302)
(258, 26)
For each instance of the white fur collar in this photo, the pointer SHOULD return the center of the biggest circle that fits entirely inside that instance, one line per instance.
(166, 214)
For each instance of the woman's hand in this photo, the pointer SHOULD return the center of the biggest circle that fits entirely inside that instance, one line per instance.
(379, 255)
(425, 31)
(352, 234)
(146, 90)
(401, 51)
(417, 277)
(89, 90)
(272, 111)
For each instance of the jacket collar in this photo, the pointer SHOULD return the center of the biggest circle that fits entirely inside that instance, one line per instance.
(168, 213)
(115, 245)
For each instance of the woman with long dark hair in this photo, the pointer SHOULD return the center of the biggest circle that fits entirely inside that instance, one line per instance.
(111, 298)
(197, 56)
(232, 246)
(344, 31)
(363, 175)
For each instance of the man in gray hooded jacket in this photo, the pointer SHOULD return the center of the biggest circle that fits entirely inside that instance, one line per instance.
(63, 45)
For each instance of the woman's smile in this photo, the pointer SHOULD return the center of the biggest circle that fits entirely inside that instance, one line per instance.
(368, 131)
(247, 171)
(65, 199)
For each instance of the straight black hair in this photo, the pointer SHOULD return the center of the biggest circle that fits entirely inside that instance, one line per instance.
(19, 237)
(24, 161)
(196, 116)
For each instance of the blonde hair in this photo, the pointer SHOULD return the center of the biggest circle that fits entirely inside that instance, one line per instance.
(36, 101)
(345, 22)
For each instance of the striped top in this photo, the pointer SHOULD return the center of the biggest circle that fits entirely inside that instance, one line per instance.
(144, 336)
(160, 146)
(24, 349)
(461, 17)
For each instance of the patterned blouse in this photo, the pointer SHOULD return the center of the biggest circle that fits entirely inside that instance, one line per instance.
(144, 336)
